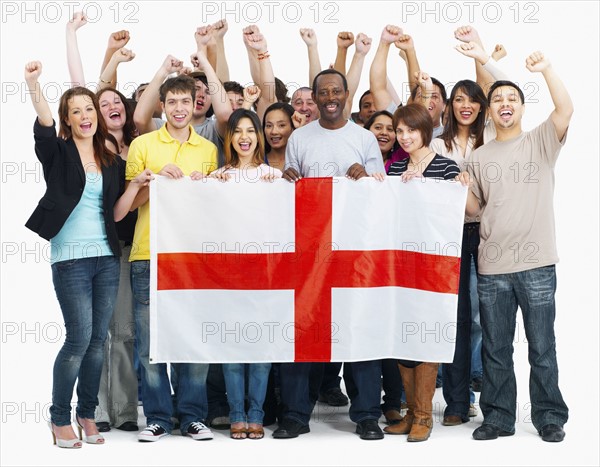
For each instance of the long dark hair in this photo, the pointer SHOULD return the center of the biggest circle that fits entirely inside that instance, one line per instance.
(129, 130)
(475, 93)
(369, 123)
(101, 152)
(231, 156)
(287, 109)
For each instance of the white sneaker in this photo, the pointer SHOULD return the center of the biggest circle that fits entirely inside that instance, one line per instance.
(199, 431)
(152, 432)
(472, 411)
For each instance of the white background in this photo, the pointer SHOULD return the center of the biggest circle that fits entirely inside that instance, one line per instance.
(31, 319)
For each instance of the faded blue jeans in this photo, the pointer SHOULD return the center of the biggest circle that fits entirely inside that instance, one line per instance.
(156, 388)
(235, 378)
(499, 297)
(86, 289)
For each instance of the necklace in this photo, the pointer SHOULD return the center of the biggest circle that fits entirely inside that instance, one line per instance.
(426, 156)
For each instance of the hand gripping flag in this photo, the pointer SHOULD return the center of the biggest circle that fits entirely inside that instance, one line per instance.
(326, 269)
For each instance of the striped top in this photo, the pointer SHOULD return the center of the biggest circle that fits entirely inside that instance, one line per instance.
(440, 168)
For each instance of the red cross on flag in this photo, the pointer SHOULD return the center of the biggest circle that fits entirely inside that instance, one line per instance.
(326, 269)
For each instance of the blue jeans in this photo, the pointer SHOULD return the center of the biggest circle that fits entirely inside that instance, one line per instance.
(156, 389)
(86, 289)
(457, 374)
(499, 296)
(235, 377)
(476, 334)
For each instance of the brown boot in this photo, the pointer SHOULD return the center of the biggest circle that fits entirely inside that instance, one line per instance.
(408, 381)
(425, 374)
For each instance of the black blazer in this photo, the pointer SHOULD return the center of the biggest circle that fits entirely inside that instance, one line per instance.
(65, 181)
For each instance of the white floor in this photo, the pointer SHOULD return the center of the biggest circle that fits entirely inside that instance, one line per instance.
(331, 442)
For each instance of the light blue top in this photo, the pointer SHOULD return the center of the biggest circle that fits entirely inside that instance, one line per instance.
(84, 234)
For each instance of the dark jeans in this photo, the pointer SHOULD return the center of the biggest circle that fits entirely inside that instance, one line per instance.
(86, 289)
(499, 296)
(457, 374)
(331, 376)
(299, 393)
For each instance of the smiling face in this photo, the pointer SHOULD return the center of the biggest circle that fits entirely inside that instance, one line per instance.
(410, 139)
(436, 104)
(278, 128)
(331, 99)
(179, 109)
(383, 129)
(303, 103)
(112, 110)
(506, 109)
(466, 110)
(244, 139)
(82, 117)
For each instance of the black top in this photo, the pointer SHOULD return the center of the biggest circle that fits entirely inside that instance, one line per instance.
(65, 182)
(440, 167)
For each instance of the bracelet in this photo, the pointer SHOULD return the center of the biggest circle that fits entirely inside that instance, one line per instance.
(263, 55)
(105, 82)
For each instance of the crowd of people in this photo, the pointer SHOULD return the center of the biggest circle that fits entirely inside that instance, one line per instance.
(109, 147)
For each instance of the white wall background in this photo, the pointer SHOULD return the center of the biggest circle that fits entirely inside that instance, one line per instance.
(31, 319)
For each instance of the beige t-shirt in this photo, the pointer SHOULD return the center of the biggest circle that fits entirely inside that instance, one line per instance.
(456, 154)
(514, 182)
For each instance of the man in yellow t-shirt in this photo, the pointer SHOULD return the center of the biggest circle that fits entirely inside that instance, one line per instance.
(174, 151)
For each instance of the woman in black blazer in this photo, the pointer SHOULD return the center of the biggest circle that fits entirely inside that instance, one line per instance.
(77, 214)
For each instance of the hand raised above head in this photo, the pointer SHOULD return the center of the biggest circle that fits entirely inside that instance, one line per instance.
(466, 34)
(118, 39)
(78, 20)
(33, 70)
(309, 36)
(537, 62)
(344, 39)
(363, 43)
(391, 33)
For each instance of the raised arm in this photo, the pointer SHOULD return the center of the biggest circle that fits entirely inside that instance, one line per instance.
(490, 72)
(144, 109)
(563, 105)
(116, 41)
(110, 72)
(73, 56)
(468, 34)
(33, 70)
(256, 42)
(252, 54)
(219, 29)
(406, 45)
(362, 47)
(314, 63)
(344, 40)
(426, 84)
(220, 102)
(378, 71)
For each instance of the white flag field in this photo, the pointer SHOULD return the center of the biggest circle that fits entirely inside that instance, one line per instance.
(325, 269)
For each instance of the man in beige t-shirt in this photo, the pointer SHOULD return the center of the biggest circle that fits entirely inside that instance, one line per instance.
(513, 182)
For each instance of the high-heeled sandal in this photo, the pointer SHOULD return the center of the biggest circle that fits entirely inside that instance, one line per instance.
(90, 439)
(74, 443)
(256, 432)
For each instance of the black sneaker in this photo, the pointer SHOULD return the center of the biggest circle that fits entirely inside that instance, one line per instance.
(199, 431)
(152, 432)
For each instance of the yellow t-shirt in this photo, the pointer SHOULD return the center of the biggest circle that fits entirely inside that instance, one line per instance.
(153, 151)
